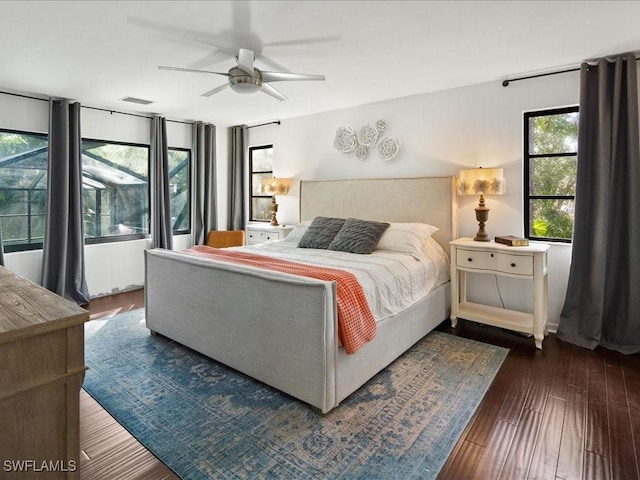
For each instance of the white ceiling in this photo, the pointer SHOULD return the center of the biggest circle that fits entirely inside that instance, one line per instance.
(98, 52)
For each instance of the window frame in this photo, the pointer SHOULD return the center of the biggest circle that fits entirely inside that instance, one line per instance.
(28, 246)
(251, 173)
(527, 157)
(132, 236)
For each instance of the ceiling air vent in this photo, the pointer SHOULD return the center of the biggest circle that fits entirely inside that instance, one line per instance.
(139, 101)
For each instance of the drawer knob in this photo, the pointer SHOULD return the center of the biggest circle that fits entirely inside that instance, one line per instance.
(513, 264)
(492, 255)
(470, 259)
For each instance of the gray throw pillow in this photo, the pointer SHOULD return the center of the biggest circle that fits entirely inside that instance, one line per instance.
(321, 232)
(358, 236)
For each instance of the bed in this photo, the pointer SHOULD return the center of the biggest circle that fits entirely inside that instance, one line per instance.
(282, 329)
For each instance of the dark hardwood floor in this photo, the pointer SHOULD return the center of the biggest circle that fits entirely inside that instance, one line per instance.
(561, 413)
(108, 451)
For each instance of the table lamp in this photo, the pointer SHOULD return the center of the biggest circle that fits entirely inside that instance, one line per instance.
(275, 186)
(483, 181)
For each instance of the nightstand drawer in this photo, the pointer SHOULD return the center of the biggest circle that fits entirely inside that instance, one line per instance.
(254, 236)
(476, 259)
(259, 234)
(515, 264)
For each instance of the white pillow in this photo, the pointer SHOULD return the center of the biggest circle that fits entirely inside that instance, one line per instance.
(405, 237)
(298, 231)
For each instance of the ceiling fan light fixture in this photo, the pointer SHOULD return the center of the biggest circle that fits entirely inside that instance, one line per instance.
(245, 87)
(241, 82)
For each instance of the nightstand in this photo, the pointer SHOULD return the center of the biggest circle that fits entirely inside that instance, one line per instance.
(530, 262)
(259, 233)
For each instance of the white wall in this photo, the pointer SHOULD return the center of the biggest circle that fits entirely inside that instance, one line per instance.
(110, 267)
(442, 132)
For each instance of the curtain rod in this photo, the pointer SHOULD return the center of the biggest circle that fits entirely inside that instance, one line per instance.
(20, 95)
(133, 114)
(277, 122)
(505, 83)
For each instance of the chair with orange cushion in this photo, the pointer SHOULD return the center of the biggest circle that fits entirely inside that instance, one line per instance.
(225, 238)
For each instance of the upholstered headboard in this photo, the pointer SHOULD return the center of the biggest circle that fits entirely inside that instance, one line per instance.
(429, 200)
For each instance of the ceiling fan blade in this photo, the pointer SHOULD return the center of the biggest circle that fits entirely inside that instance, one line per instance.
(245, 60)
(221, 42)
(194, 70)
(215, 90)
(304, 41)
(284, 76)
(241, 18)
(269, 90)
(211, 59)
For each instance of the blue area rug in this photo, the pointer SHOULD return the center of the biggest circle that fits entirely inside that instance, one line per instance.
(205, 420)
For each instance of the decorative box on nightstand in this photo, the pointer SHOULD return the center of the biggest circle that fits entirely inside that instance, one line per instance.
(529, 262)
(258, 233)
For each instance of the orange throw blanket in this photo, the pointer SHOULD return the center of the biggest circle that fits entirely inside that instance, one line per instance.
(356, 325)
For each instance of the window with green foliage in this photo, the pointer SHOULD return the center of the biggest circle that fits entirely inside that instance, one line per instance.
(260, 167)
(114, 188)
(550, 162)
(23, 189)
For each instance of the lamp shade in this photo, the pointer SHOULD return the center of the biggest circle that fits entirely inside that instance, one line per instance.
(476, 181)
(276, 186)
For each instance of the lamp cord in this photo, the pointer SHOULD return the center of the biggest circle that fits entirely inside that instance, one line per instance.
(499, 294)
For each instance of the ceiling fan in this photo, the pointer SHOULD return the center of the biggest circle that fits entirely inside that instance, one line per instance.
(245, 78)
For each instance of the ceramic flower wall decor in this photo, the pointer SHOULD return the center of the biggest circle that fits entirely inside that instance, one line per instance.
(345, 141)
(369, 136)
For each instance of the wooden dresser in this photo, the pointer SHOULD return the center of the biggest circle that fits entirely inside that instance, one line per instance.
(41, 372)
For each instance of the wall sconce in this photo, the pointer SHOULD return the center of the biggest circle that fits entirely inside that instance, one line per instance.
(275, 186)
(483, 181)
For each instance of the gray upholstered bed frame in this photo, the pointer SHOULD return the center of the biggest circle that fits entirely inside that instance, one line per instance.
(282, 329)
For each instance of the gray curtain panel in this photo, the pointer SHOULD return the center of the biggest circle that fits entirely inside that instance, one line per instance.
(602, 305)
(204, 161)
(161, 226)
(63, 263)
(238, 137)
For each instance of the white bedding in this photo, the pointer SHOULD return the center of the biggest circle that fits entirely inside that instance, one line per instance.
(391, 281)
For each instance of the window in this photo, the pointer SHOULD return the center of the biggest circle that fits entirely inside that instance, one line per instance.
(23, 189)
(180, 189)
(116, 193)
(550, 161)
(115, 190)
(260, 167)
